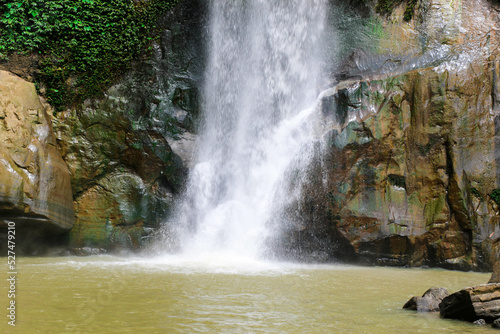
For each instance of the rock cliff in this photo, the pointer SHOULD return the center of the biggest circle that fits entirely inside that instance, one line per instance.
(411, 159)
(128, 152)
(104, 172)
(35, 184)
(412, 163)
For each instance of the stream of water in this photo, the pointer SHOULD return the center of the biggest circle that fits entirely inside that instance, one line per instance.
(259, 105)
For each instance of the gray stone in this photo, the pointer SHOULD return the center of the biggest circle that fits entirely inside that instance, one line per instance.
(429, 302)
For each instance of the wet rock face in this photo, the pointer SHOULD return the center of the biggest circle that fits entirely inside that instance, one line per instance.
(401, 190)
(124, 180)
(35, 186)
(412, 161)
(128, 152)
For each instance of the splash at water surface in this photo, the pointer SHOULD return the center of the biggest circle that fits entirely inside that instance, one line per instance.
(259, 104)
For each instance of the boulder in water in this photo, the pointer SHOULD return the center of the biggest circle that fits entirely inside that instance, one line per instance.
(473, 303)
(480, 322)
(429, 302)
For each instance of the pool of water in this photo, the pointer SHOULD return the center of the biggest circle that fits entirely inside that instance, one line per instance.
(172, 295)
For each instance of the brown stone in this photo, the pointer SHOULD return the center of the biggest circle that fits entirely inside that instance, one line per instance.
(495, 276)
(473, 303)
(414, 160)
(35, 187)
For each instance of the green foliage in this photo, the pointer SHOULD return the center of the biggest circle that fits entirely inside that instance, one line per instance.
(410, 10)
(476, 193)
(84, 44)
(495, 196)
(385, 7)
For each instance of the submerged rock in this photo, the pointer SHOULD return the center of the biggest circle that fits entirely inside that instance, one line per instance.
(429, 302)
(473, 303)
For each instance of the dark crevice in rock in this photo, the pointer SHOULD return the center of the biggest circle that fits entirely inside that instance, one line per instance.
(388, 251)
(455, 198)
(397, 180)
(34, 237)
(497, 149)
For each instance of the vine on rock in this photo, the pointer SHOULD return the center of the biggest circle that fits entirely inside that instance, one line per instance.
(84, 45)
(385, 7)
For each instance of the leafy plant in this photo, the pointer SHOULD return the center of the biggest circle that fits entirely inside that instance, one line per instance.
(84, 44)
(476, 193)
(495, 196)
(410, 10)
(385, 7)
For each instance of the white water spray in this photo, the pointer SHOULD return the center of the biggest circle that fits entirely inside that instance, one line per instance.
(259, 103)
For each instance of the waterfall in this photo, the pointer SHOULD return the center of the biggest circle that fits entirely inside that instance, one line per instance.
(258, 128)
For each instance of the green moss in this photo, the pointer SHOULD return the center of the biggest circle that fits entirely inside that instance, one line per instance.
(410, 10)
(434, 210)
(476, 193)
(495, 196)
(84, 45)
(385, 7)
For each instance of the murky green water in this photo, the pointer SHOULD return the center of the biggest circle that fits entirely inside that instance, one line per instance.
(118, 295)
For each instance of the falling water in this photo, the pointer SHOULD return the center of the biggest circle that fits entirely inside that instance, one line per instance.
(259, 103)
